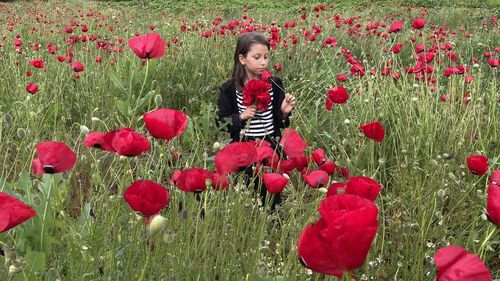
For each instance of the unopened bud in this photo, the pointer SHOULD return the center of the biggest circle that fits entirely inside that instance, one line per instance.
(157, 225)
(95, 119)
(14, 269)
(322, 190)
(7, 118)
(158, 100)
(84, 129)
(216, 146)
(21, 133)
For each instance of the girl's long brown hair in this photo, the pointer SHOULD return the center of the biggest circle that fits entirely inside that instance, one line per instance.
(245, 41)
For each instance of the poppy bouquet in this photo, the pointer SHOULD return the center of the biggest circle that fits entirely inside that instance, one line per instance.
(257, 92)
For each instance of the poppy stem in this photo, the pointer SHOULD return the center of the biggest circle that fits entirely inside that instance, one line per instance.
(351, 275)
(146, 265)
(47, 200)
(145, 78)
(486, 239)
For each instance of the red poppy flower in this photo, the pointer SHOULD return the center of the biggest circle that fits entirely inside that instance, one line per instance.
(166, 123)
(148, 46)
(494, 62)
(275, 183)
(265, 75)
(328, 167)
(454, 263)
(495, 177)
(418, 23)
(266, 155)
(175, 177)
(53, 157)
(396, 26)
(373, 130)
(316, 178)
(32, 88)
(13, 212)
(37, 63)
(477, 164)
(340, 240)
(337, 95)
(285, 166)
(77, 66)
(193, 180)
(278, 67)
(493, 203)
(128, 142)
(219, 181)
(235, 156)
(300, 163)
(319, 156)
(100, 140)
(292, 142)
(146, 197)
(336, 188)
(364, 187)
(397, 48)
(342, 78)
(257, 91)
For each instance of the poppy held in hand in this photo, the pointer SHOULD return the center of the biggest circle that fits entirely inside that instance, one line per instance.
(340, 240)
(454, 263)
(53, 157)
(373, 130)
(477, 164)
(257, 92)
(337, 95)
(148, 46)
(166, 123)
(128, 142)
(13, 212)
(146, 197)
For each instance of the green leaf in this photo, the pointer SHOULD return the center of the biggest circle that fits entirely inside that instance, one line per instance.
(36, 262)
(123, 107)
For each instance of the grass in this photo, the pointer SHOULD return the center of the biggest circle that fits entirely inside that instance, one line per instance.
(429, 198)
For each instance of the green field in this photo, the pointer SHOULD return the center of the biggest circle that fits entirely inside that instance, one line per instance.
(84, 230)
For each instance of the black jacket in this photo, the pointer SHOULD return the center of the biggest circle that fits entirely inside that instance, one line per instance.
(228, 117)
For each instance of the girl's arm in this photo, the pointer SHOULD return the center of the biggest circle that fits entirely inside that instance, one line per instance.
(227, 118)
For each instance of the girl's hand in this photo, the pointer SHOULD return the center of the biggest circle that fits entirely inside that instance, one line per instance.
(287, 104)
(249, 112)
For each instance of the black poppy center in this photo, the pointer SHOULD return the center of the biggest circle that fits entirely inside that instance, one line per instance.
(49, 169)
(97, 145)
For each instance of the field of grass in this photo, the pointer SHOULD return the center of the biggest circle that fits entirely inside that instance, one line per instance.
(84, 230)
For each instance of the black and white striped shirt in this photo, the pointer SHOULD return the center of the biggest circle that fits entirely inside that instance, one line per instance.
(262, 123)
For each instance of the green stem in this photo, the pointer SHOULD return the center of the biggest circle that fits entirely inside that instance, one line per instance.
(486, 239)
(45, 215)
(146, 265)
(145, 79)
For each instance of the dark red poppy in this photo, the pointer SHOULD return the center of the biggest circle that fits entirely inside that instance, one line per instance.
(77, 66)
(396, 26)
(146, 197)
(278, 67)
(364, 187)
(37, 63)
(493, 203)
(100, 140)
(373, 130)
(397, 48)
(477, 164)
(300, 163)
(257, 92)
(13, 212)
(175, 177)
(266, 155)
(53, 157)
(148, 46)
(319, 156)
(337, 95)
(316, 178)
(292, 143)
(166, 123)
(193, 180)
(285, 166)
(128, 142)
(493, 62)
(235, 156)
(418, 23)
(275, 183)
(336, 188)
(454, 263)
(266, 75)
(32, 88)
(340, 240)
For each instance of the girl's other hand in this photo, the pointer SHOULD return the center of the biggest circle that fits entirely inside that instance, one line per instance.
(287, 104)
(249, 112)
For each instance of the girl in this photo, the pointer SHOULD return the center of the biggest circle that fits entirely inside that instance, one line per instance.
(245, 123)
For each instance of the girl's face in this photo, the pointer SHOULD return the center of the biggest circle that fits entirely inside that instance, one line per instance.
(256, 61)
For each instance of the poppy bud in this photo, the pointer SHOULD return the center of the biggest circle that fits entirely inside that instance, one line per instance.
(84, 129)
(157, 225)
(14, 269)
(216, 146)
(21, 133)
(322, 190)
(158, 100)
(95, 119)
(7, 118)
